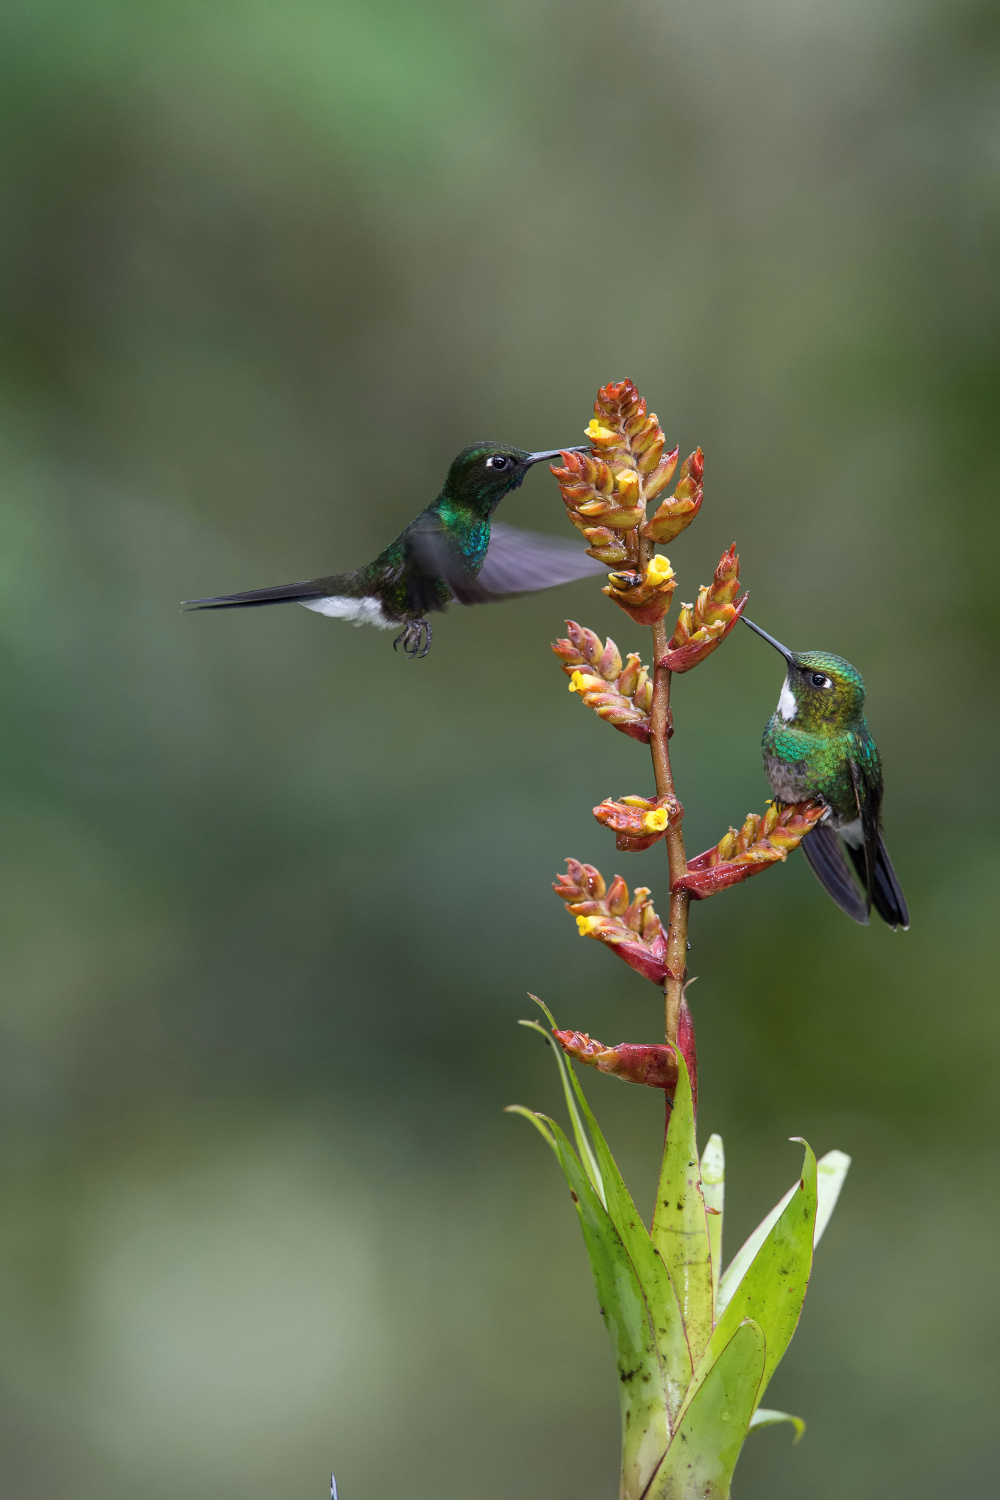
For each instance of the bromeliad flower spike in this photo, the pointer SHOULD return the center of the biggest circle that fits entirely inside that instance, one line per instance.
(452, 553)
(695, 1346)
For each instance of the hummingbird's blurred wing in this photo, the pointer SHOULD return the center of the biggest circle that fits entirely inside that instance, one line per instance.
(520, 562)
(825, 853)
(516, 562)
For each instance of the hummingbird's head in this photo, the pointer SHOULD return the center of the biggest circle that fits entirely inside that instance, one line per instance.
(820, 691)
(484, 472)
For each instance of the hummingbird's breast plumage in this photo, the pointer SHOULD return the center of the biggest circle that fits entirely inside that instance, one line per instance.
(803, 764)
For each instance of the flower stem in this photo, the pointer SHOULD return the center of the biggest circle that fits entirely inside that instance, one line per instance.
(659, 734)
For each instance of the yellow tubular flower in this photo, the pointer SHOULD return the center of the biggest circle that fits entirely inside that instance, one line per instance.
(659, 569)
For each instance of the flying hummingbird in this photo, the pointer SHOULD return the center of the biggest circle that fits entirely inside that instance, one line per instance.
(817, 746)
(452, 552)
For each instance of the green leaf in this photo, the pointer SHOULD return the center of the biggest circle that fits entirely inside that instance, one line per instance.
(645, 1429)
(713, 1187)
(658, 1287)
(680, 1224)
(579, 1134)
(537, 1120)
(743, 1259)
(774, 1287)
(831, 1170)
(702, 1455)
(763, 1417)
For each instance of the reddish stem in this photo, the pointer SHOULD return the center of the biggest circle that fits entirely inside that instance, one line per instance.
(659, 736)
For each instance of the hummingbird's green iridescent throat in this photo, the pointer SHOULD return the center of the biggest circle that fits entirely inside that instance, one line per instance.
(818, 747)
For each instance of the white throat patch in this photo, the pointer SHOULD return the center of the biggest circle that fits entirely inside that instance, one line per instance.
(787, 706)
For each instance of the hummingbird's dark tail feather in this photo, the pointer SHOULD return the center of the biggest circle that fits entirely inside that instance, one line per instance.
(824, 851)
(283, 593)
(887, 897)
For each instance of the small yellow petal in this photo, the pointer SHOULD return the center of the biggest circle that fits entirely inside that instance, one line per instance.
(656, 821)
(659, 569)
(576, 683)
(598, 433)
(586, 925)
(627, 485)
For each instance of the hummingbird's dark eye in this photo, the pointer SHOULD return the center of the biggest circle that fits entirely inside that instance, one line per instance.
(498, 461)
(818, 680)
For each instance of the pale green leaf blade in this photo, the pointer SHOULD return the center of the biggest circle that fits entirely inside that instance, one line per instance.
(764, 1417)
(774, 1287)
(713, 1187)
(741, 1261)
(702, 1455)
(831, 1170)
(645, 1428)
(680, 1224)
(661, 1295)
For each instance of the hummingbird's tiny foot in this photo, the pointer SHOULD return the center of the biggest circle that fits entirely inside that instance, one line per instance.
(415, 639)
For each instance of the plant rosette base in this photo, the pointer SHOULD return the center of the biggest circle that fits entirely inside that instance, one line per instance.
(695, 1346)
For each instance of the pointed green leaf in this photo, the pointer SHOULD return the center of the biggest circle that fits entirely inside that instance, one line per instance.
(713, 1187)
(831, 1170)
(763, 1417)
(774, 1287)
(703, 1452)
(743, 1259)
(680, 1224)
(660, 1293)
(645, 1430)
(579, 1134)
(658, 1289)
(537, 1120)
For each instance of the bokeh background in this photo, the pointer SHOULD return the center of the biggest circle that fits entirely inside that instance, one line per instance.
(271, 897)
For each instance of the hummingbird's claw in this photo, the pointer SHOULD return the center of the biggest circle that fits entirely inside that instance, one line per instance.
(415, 639)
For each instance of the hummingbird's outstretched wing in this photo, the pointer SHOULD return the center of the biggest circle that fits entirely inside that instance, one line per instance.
(516, 562)
(520, 562)
(825, 853)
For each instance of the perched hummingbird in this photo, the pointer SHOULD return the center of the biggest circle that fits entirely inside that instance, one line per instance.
(452, 552)
(817, 745)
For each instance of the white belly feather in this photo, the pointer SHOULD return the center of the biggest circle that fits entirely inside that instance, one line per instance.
(366, 611)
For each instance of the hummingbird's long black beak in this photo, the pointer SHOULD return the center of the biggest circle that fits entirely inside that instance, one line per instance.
(770, 640)
(538, 458)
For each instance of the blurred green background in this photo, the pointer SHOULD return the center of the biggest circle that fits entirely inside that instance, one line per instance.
(271, 896)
